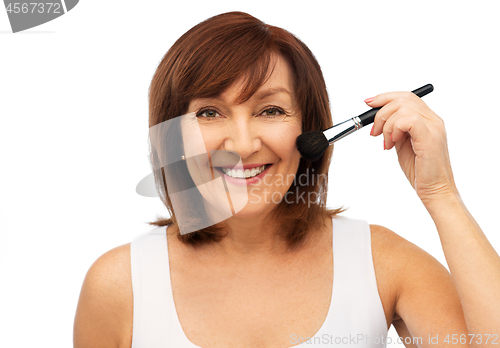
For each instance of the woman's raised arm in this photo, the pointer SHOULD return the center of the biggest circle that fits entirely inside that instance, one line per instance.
(474, 266)
(419, 136)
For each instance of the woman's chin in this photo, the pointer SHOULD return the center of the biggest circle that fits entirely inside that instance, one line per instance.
(252, 211)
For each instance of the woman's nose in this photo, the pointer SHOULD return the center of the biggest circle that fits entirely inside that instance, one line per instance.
(242, 138)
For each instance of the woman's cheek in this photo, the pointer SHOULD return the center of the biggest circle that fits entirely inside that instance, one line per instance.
(213, 140)
(283, 140)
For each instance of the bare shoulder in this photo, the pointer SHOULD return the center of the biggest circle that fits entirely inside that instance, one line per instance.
(401, 256)
(396, 260)
(105, 307)
(424, 298)
(391, 250)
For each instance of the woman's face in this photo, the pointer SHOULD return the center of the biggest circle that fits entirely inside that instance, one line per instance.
(260, 133)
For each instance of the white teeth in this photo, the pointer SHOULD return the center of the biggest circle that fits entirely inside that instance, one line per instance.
(248, 173)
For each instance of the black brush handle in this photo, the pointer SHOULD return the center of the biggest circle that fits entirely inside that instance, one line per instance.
(368, 117)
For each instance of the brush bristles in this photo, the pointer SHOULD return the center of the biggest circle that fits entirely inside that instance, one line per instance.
(312, 145)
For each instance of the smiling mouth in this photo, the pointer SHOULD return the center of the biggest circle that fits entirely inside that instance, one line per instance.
(243, 174)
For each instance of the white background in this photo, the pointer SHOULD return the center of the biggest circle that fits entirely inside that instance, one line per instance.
(74, 125)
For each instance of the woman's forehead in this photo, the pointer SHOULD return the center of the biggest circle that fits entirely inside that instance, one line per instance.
(278, 83)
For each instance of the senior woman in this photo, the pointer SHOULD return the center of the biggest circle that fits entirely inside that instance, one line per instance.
(270, 272)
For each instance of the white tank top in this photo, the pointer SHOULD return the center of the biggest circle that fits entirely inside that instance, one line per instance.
(355, 319)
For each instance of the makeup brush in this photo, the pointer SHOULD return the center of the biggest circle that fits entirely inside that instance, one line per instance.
(312, 145)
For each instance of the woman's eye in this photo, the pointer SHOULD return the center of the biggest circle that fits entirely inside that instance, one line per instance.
(207, 113)
(273, 112)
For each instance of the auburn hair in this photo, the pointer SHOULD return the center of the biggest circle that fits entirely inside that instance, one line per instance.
(208, 59)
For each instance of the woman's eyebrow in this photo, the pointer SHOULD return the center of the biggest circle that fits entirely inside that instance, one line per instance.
(258, 95)
(271, 91)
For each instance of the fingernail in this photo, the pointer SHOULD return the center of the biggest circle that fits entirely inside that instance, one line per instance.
(391, 137)
(384, 144)
(369, 100)
(371, 132)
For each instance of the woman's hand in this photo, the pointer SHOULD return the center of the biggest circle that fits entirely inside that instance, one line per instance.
(420, 140)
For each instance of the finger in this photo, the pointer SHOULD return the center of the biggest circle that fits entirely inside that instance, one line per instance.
(400, 143)
(382, 116)
(384, 98)
(413, 124)
(388, 128)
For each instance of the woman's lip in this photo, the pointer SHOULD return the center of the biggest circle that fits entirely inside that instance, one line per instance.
(246, 166)
(248, 181)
